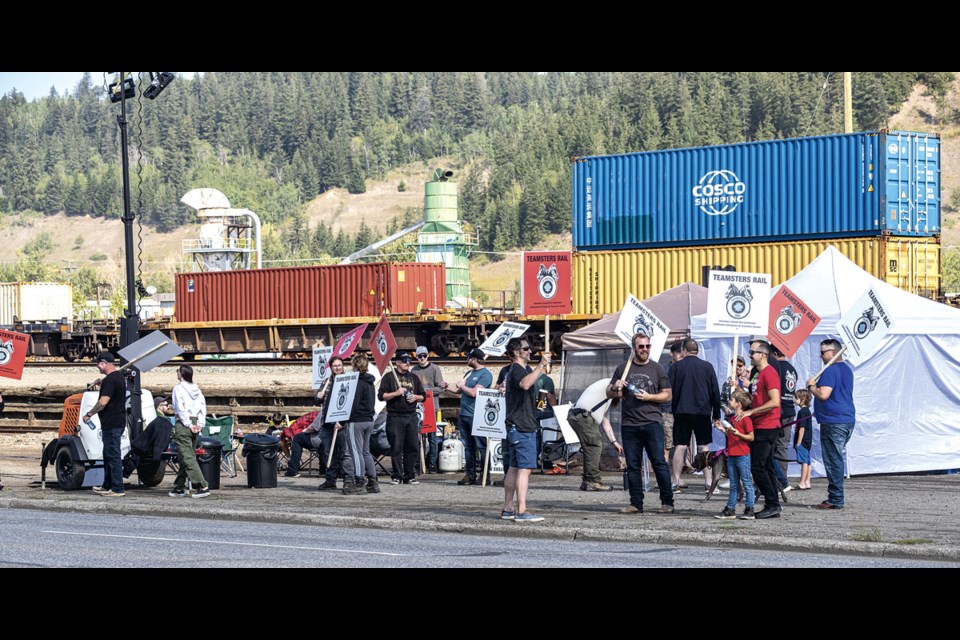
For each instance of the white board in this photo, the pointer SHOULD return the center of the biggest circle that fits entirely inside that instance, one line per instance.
(321, 355)
(865, 324)
(496, 344)
(341, 401)
(636, 318)
(489, 414)
(569, 435)
(738, 303)
(150, 351)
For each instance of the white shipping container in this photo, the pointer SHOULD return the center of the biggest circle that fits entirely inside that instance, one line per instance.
(35, 302)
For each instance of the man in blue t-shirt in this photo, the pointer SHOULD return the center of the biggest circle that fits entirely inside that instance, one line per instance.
(479, 377)
(837, 416)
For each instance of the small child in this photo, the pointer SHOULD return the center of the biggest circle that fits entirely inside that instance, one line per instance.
(739, 436)
(803, 436)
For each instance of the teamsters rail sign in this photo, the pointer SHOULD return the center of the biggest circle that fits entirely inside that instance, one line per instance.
(863, 326)
(738, 303)
(545, 283)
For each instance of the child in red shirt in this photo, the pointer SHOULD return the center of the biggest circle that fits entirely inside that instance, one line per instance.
(739, 436)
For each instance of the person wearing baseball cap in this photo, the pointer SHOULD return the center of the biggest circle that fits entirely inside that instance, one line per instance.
(402, 391)
(476, 378)
(112, 409)
(432, 380)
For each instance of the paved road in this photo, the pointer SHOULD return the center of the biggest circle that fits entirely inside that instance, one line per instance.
(48, 539)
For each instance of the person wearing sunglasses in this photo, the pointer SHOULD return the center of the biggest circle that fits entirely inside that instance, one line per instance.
(521, 423)
(833, 406)
(765, 414)
(643, 389)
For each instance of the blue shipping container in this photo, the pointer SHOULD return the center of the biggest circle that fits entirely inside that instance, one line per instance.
(849, 185)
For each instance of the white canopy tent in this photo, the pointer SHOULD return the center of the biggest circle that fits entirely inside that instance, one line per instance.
(907, 394)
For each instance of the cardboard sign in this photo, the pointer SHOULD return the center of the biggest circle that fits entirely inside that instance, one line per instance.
(150, 351)
(320, 371)
(489, 415)
(864, 326)
(382, 344)
(348, 342)
(341, 401)
(427, 414)
(561, 411)
(738, 303)
(545, 283)
(13, 351)
(791, 321)
(636, 318)
(496, 344)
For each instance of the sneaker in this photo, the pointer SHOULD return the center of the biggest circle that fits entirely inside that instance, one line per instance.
(748, 514)
(112, 494)
(787, 488)
(411, 481)
(526, 516)
(508, 515)
(727, 514)
(724, 484)
(394, 480)
(467, 480)
(178, 493)
(99, 490)
(677, 488)
(292, 474)
(767, 512)
(716, 491)
(327, 485)
(201, 493)
(556, 471)
(667, 508)
(630, 509)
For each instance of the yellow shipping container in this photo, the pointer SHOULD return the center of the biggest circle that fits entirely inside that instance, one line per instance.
(602, 279)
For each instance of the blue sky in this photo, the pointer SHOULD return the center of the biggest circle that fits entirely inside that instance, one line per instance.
(36, 84)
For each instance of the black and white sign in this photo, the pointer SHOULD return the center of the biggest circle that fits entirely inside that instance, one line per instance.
(636, 318)
(738, 303)
(321, 356)
(341, 399)
(496, 344)
(864, 326)
(489, 414)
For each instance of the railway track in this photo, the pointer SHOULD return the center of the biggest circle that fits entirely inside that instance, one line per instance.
(267, 363)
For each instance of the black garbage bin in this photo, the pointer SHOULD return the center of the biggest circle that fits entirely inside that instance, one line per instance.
(261, 452)
(209, 460)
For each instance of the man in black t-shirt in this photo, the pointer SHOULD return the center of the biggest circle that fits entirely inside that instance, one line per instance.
(112, 408)
(644, 388)
(402, 390)
(788, 413)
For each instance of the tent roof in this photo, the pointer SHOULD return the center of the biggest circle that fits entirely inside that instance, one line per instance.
(674, 307)
(832, 282)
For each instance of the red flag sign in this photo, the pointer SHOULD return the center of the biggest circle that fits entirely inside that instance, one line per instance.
(348, 342)
(382, 344)
(791, 321)
(13, 351)
(428, 419)
(545, 285)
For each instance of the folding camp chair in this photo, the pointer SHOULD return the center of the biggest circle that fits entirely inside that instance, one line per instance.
(222, 430)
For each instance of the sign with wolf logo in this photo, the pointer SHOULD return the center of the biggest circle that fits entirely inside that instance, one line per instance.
(791, 321)
(427, 413)
(320, 371)
(864, 326)
(545, 282)
(489, 414)
(382, 344)
(341, 402)
(13, 351)
(738, 303)
(636, 318)
(496, 344)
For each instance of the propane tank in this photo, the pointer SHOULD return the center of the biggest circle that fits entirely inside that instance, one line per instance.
(451, 458)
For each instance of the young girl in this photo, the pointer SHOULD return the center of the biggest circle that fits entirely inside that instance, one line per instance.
(739, 436)
(803, 436)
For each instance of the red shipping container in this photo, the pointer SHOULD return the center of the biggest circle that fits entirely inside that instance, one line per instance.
(335, 291)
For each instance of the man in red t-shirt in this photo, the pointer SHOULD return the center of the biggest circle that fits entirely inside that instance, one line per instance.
(765, 388)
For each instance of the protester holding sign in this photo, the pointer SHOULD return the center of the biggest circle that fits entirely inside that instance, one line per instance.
(479, 377)
(837, 417)
(402, 391)
(432, 380)
(330, 435)
(359, 467)
(765, 413)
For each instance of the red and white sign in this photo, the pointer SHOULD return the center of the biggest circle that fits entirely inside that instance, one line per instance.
(382, 344)
(428, 417)
(545, 285)
(791, 321)
(13, 351)
(348, 342)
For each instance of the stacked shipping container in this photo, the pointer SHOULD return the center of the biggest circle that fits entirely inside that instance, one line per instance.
(644, 222)
(337, 291)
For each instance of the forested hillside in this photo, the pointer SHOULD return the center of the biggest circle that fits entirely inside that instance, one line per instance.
(274, 141)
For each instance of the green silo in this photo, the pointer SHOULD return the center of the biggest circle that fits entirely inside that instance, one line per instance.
(441, 239)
